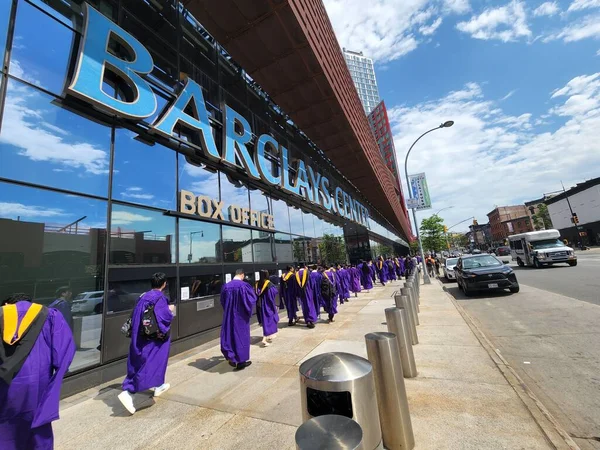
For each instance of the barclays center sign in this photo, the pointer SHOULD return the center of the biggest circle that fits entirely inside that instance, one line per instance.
(95, 58)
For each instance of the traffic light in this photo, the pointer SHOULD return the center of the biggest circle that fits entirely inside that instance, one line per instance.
(575, 219)
(445, 229)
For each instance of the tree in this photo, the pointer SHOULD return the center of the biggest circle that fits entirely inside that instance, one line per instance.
(541, 219)
(432, 234)
(414, 247)
(298, 250)
(332, 249)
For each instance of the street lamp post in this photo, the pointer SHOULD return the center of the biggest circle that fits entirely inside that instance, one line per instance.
(446, 233)
(192, 233)
(447, 124)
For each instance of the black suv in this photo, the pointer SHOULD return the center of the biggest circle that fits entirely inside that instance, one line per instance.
(484, 273)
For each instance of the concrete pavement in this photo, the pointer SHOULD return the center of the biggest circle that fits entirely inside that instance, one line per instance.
(460, 399)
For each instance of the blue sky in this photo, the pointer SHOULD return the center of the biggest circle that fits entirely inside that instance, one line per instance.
(520, 79)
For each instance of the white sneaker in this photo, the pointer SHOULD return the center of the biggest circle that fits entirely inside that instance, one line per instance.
(158, 391)
(127, 401)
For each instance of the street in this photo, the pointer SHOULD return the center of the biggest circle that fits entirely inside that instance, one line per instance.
(550, 334)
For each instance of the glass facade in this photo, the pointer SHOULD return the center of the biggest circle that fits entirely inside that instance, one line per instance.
(363, 75)
(88, 201)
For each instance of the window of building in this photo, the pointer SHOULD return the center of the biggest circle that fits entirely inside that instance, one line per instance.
(280, 215)
(296, 220)
(5, 8)
(233, 192)
(236, 245)
(198, 242)
(283, 247)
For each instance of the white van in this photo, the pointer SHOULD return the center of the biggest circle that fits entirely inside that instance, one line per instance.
(539, 248)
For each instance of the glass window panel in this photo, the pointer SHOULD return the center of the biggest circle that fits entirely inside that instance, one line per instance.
(203, 285)
(307, 220)
(45, 144)
(236, 245)
(141, 236)
(259, 201)
(55, 250)
(194, 177)
(262, 246)
(5, 8)
(280, 215)
(41, 49)
(299, 249)
(198, 242)
(233, 192)
(296, 220)
(123, 295)
(143, 173)
(283, 248)
(320, 225)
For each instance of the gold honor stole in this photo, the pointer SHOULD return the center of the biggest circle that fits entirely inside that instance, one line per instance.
(11, 318)
(304, 275)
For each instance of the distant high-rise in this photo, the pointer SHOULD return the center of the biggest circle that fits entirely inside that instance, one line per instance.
(363, 75)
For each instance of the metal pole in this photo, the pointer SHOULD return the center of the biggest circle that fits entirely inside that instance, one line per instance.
(414, 294)
(411, 303)
(394, 414)
(403, 303)
(397, 323)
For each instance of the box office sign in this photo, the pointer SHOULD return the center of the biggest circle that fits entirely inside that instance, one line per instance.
(207, 207)
(238, 148)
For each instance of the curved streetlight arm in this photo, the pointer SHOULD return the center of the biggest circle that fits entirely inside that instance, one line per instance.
(409, 150)
(462, 221)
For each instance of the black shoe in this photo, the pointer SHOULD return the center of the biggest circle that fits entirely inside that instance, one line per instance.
(291, 323)
(232, 364)
(310, 325)
(242, 366)
(331, 319)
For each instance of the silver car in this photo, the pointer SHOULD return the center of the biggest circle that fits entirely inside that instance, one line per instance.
(448, 266)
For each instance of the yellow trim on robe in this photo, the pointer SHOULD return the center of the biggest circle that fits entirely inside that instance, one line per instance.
(287, 276)
(304, 275)
(11, 318)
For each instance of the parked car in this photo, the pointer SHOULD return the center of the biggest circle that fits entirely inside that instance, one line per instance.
(484, 272)
(88, 303)
(448, 267)
(503, 251)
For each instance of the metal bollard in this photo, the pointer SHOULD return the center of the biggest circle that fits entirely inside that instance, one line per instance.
(397, 323)
(413, 286)
(394, 414)
(330, 431)
(403, 303)
(411, 299)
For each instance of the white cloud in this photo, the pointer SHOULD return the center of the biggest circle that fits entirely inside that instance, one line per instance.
(127, 218)
(588, 27)
(492, 158)
(546, 9)
(430, 29)
(505, 23)
(387, 29)
(14, 210)
(24, 127)
(135, 193)
(578, 5)
(509, 95)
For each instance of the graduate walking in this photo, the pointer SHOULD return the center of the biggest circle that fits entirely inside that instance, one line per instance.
(315, 278)
(306, 294)
(391, 270)
(328, 292)
(237, 299)
(266, 293)
(150, 343)
(355, 280)
(381, 268)
(36, 351)
(288, 294)
(365, 276)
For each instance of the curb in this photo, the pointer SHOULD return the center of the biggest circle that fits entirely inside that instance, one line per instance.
(556, 435)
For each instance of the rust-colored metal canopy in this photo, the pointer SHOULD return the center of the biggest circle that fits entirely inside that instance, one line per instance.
(289, 48)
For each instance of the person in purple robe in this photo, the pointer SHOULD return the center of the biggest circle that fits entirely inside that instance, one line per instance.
(306, 294)
(399, 263)
(391, 272)
(329, 293)
(237, 299)
(341, 287)
(316, 276)
(148, 353)
(365, 276)
(289, 292)
(62, 303)
(355, 280)
(381, 268)
(373, 270)
(266, 293)
(35, 353)
(408, 267)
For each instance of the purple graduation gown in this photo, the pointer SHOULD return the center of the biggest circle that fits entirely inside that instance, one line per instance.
(289, 292)
(317, 297)
(270, 313)
(381, 271)
(30, 404)
(373, 270)
(148, 358)
(391, 273)
(331, 303)
(365, 276)
(399, 263)
(237, 300)
(309, 312)
(355, 281)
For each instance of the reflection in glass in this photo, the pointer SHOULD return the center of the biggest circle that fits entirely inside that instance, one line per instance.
(320, 226)
(195, 178)
(233, 192)
(199, 286)
(143, 173)
(41, 49)
(296, 220)
(283, 248)
(4, 16)
(53, 251)
(262, 246)
(299, 245)
(307, 220)
(259, 201)
(141, 236)
(198, 242)
(123, 295)
(236, 245)
(42, 143)
(280, 215)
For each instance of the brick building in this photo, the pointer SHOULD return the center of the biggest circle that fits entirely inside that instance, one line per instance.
(508, 220)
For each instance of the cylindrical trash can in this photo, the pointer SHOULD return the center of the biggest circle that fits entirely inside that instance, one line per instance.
(341, 383)
(402, 302)
(329, 432)
(397, 323)
(396, 426)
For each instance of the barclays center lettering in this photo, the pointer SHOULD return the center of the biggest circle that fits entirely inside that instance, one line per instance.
(188, 112)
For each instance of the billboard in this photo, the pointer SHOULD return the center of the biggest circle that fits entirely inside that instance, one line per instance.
(419, 191)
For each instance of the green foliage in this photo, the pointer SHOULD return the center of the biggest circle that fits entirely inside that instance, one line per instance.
(332, 249)
(298, 250)
(541, 220)
(414, 247)
(432, 234)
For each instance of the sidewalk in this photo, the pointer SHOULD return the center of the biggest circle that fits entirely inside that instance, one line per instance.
(460, 399)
